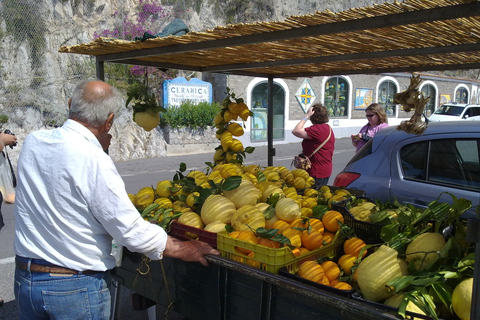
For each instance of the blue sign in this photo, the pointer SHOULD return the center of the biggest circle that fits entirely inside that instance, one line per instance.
(177, 90)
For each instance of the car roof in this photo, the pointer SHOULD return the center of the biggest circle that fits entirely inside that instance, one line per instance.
(392, 135)
(460, 105)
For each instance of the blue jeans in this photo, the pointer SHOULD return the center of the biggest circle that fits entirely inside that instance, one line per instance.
(321, 182)
(62, 296)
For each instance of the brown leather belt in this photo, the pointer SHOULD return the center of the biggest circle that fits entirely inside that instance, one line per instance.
(50, 269)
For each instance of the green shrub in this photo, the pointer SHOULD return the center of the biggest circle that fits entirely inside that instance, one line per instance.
(195, 116)
(3, 118)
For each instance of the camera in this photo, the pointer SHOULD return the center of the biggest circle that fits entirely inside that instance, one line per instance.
(10, 132)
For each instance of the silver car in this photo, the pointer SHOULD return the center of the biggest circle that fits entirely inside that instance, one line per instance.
(417, 169)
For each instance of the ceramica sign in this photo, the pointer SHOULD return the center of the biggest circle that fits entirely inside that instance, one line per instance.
(177, 90)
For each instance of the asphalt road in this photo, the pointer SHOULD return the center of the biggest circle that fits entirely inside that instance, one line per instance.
(138, 174)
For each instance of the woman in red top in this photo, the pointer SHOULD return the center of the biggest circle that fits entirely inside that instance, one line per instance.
(313, 137)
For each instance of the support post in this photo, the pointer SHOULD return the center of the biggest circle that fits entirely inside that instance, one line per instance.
(100, 70)
(473, 235)
(271, 149)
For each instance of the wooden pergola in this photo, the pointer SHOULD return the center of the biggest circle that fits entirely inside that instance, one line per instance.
(411, 36)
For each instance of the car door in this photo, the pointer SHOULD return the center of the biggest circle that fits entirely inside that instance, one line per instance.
(427, 166)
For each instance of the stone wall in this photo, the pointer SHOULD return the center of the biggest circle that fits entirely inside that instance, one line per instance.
(189, 135)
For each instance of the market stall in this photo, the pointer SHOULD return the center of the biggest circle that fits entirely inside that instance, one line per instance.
(379, 39)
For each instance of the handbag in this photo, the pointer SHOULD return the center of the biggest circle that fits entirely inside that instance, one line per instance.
(8, 180)
(302, 161)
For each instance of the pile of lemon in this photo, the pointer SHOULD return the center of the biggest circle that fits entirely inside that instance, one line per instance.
(230, 149)
(296, 184)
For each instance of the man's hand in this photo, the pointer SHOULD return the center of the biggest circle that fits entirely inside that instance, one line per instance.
(7, 140)
(191, 250)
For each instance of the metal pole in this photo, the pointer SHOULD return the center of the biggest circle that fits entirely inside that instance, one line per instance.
(271, 149)
(473, 235)
(100, 70)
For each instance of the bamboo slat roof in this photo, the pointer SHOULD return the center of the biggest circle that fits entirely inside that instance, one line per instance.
(414, 35)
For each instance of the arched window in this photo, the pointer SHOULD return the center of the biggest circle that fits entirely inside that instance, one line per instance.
(336, 96)
(429, 91)
(386, 94)
(461, 95)
(259, 108)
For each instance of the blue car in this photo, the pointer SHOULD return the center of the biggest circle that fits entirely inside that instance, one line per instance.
(417, 169)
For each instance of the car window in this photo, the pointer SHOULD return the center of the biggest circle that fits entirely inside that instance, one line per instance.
(414, 160)
(473, 112)
(450, 110)
(445, 161)
(363, 152)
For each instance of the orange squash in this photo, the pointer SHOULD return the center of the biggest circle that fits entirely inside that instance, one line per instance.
(312, 240)
(312, 271)
(343, 286)
(332, 271)
(328, 237)
(249, 237)
(353, 246)
(293, 236)
(330, 220)
(346, 262)
(316, 224)
(268, 243)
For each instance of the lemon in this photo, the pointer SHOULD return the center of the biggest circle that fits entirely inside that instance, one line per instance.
(191, 198)
(164, 202)
(133, 198)
(299, 183)
(423, 250)
(396, 300)
(147, 120)
(163, 188)
(462, 299)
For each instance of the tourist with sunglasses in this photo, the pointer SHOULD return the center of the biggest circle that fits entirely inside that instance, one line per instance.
(377, 119)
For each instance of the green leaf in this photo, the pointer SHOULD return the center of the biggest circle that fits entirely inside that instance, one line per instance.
(269, 213)
(249, 150)
(422, 282)
(266, 233)
(400, 283)
(183, 167)
(158, 213)
(319, 210)
(442, 293)
(439, 210)
(389, 231)
(381, 217)
(150, 208)
(231, 183)
(261, 176)
(273, 199)
(466, 263)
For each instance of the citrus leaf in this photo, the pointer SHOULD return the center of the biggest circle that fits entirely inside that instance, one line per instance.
(231, 183)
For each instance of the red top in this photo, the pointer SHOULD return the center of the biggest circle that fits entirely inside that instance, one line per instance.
(322, 159)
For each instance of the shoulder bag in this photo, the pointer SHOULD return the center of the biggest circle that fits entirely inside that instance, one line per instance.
(7, 179)
(302, 161)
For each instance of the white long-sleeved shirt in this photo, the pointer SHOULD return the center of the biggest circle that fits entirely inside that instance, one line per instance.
(71, 201)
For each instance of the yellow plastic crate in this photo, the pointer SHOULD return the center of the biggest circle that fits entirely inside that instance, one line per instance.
(270, 259)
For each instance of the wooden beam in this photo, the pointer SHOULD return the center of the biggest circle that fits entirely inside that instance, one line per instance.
(348, 57)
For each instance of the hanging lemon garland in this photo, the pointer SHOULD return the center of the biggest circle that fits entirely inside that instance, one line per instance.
(231, 150)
